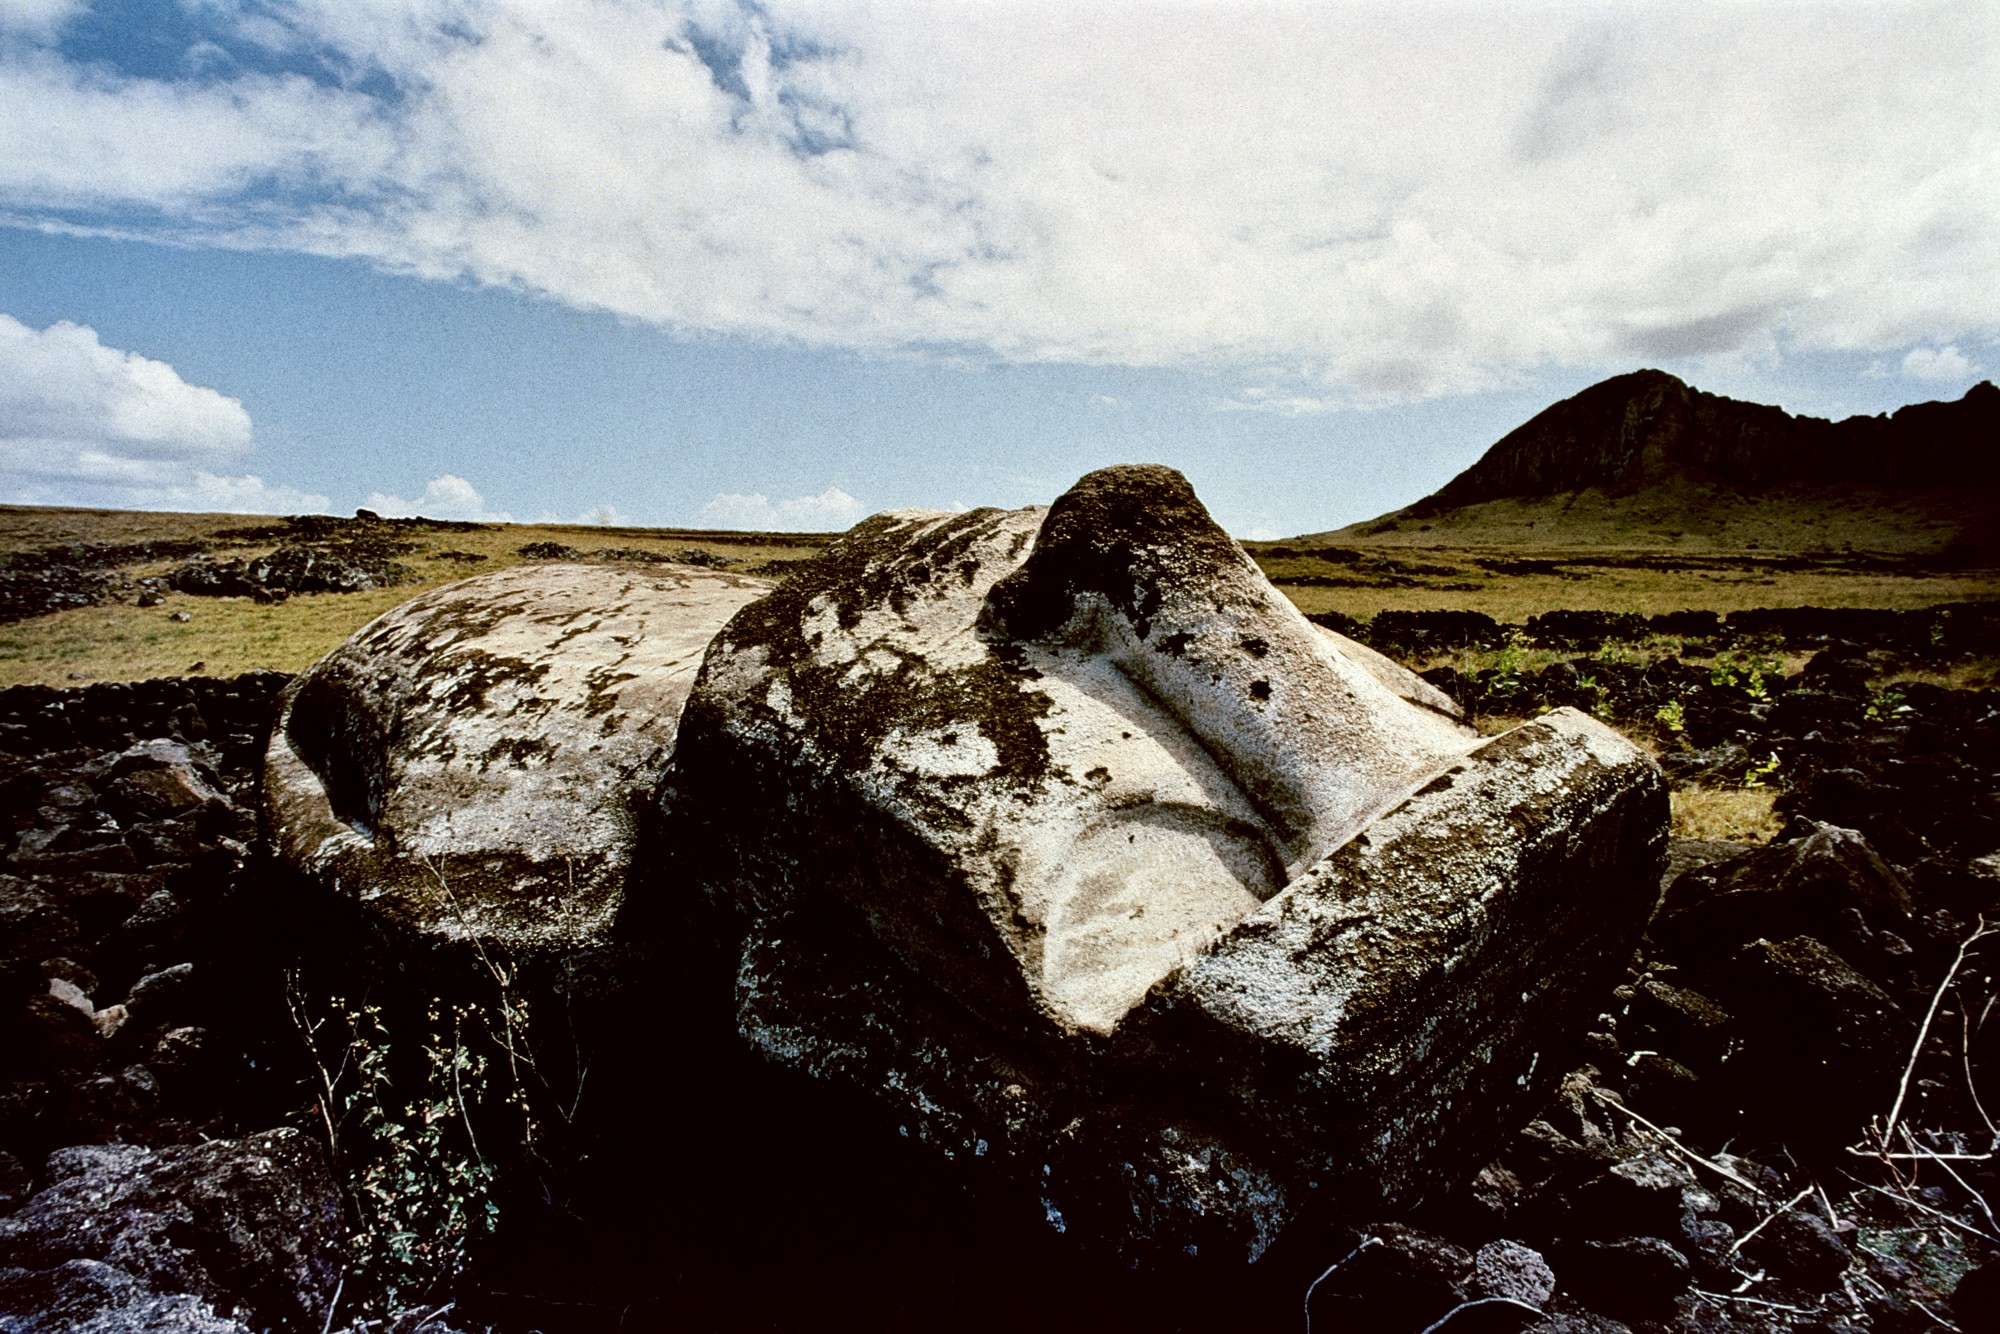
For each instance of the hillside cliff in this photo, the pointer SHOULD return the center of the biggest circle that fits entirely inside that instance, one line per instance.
(1650, 429)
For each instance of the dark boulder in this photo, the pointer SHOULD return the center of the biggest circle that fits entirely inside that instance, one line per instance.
(335, 568)
(1631, 1276)
(1976, 1300)
(1801, 1248)
(1401, 1278)
(251, 1227)
(1831, 884)
(1513, 1270)
(1823, 1045)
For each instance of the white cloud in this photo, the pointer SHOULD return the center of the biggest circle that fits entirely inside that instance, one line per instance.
(208, 493)
(830, 511)
(39, 18)
(1937, 364)
(608, 516)
(1384, 201)
(446, 496)
(86, 424)
(1271, 398)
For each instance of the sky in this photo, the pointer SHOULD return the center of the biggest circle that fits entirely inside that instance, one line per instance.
(768, 265)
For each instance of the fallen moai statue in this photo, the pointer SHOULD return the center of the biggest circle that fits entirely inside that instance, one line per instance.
(466, 767)
(1065, 836)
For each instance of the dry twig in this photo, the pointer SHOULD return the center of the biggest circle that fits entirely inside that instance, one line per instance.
(1786, 1207)
(1979, 933)
(1683, 1150)
(1327, 1273)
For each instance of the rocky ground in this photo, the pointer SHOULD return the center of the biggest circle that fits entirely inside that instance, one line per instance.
(311, 553)
(1775, 1123)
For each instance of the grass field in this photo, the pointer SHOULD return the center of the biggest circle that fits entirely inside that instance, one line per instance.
(1356, 575)
(224, 636)
(1513, 584)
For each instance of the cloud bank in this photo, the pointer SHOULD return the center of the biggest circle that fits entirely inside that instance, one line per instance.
(1347, 203)
(829, 511)
(86, 424)
(446, 496)
(1938, 365)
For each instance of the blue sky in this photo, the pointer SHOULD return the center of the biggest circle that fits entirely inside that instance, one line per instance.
(711, 263)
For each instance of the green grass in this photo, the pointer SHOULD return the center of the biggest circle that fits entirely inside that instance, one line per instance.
(1359, 580)
(121, 641)
(1356, 575)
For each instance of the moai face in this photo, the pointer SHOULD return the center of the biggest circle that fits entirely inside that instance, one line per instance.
(1066, 838)
(1080, 743)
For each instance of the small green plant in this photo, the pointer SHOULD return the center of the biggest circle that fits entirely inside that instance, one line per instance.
(1758, 668)
(1885, 704)
(1505, 676)
(419, 1191)
(1600, 702)
(1759, 775)
(1671, 716)
(1749, 670)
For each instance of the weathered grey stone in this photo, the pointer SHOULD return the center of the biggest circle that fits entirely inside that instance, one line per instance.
(1513, 1270)
(251, 1225)
(90, 1297)
(1081, 778)
(1064, 835)
(467, 765)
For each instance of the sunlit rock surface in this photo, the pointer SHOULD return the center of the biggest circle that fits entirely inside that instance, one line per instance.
(468, 765)
(1066, 836)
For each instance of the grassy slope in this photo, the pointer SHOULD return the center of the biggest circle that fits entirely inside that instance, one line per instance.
(1675, 548)
(120, 641)
(1491, 561)
(1694, 518)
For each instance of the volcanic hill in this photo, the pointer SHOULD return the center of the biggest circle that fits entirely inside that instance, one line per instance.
(1645, 460)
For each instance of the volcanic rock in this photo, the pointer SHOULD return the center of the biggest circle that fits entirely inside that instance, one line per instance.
(1512, 1270)
(1064, 835)
(1396, 1277)
(466, 766)
(1804, 1248)
(251, 1226)
(352, 567)
(1633, 1275)
(1818, 1030)
(1830, 883)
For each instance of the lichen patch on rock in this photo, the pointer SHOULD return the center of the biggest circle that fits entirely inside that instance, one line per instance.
(1075, 795)
(467, 764)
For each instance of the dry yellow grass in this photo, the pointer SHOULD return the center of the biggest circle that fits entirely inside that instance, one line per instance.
(1692, 517)
(1735, 815)
(1515, 598)
(226, 636)
(1442, 578)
